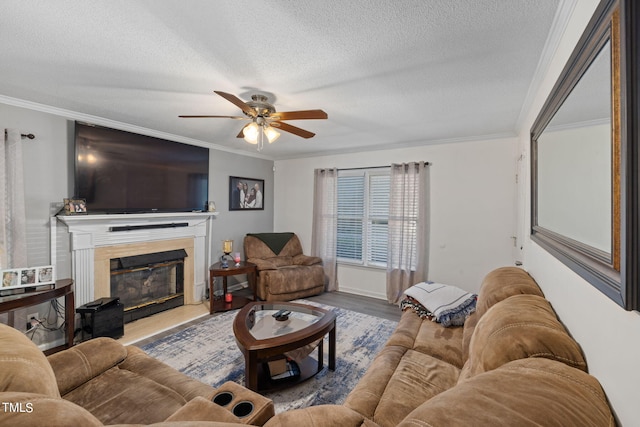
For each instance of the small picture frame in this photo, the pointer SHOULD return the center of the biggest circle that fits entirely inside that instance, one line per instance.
(10, 279)
(246, 194)
(75, 206)
(16, 278)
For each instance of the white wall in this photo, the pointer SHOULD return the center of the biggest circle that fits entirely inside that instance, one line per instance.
(46, 164)
(472, 208)
(609, 335)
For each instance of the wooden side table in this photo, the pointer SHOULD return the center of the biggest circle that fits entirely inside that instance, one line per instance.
(238, 301)
(62, 288)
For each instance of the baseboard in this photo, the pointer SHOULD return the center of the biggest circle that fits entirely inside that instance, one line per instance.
(361, 292)
(52, 344)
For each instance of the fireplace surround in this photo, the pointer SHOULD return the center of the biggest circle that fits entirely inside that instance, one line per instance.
(97, 239)
(147, 284)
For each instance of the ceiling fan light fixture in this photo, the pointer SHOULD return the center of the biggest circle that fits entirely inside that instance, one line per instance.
(251, 132)
(271, 134)
(262, 114)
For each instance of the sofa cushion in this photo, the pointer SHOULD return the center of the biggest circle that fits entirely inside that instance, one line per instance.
(119, 396)
(526, 392)
(280, 261)
(262, 264)
(320, 416)
(503, 283)
(141, 363)
(440, 342)
(428, 337)
(498, 285)
(41, 410)
(288, 280)
(24, 368)
(520, 327)
(85, 361)
(302, 259)
(468, 329)
(272, 263)
(398, 381)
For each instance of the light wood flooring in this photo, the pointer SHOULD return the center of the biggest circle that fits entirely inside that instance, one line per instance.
(149, 329)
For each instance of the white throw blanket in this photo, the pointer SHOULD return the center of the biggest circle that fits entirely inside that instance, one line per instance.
(448, 304)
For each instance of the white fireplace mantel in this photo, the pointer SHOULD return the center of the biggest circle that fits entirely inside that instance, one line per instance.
(88, 232)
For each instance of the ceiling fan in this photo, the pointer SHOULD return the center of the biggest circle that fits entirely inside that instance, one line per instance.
(265, 120)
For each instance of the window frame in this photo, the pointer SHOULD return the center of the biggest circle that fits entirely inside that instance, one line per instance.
(366, 218)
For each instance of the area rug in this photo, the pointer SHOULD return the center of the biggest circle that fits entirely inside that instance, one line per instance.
(207, 351)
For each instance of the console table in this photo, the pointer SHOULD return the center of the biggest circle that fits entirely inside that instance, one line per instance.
(237, 301)
(61, 288)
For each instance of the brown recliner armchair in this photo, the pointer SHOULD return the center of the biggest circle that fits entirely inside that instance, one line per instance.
(284, 272)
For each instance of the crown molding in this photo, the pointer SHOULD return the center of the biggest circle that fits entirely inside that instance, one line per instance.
(74, 115)
(558, 28)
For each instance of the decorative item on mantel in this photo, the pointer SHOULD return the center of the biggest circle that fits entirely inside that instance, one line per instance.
(75, 206)
(227, 248)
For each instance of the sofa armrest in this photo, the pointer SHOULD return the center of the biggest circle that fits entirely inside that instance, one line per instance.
(302, 259)
(201, 409)
(262, 264)
(320, 416)
(85, 361)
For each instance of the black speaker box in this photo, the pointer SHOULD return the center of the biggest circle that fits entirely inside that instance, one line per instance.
(105, 318)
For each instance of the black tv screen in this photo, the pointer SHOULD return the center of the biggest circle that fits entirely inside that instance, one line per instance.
(123, 172)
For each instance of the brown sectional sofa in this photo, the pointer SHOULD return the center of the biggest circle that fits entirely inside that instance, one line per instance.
(511, 364)
(100, 382)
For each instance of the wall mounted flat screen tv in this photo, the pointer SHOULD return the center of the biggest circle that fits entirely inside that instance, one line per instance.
(123, 172)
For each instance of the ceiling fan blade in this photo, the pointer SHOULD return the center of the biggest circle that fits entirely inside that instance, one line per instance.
(292, 129)
(300, 115)
(237, 102)
(213, 117)
(241, 134)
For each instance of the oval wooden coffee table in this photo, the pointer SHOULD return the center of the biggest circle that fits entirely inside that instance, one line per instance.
(262, 338)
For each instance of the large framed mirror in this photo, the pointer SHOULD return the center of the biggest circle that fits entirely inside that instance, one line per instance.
(579, 146)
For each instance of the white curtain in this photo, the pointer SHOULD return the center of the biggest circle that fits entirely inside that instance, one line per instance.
(325, 223)
(13, 234)
(408, 261)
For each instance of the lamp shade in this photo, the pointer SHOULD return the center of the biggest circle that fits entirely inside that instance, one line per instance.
(271, 134)
(251, 132)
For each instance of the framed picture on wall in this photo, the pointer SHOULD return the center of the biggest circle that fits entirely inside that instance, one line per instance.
(246, 194)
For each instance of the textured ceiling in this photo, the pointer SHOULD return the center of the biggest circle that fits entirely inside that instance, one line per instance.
(387, 72)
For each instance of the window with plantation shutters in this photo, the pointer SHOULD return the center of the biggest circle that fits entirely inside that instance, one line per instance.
(363, 216)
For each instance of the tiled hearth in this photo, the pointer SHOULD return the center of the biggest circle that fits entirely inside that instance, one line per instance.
(96, 239)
